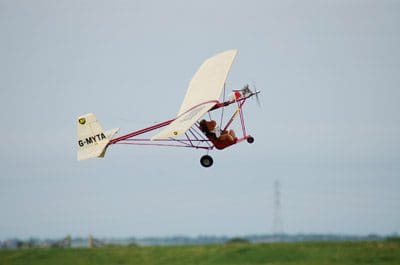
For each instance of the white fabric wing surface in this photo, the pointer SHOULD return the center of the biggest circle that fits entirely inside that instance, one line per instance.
(208, 82)
(184, 122)
(203, 92)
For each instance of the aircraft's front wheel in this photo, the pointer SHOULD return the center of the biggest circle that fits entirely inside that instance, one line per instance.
(250, 139)
(206, 161)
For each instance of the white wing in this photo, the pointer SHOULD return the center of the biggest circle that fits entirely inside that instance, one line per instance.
(208, 82)
(203, 93)
(184, 122)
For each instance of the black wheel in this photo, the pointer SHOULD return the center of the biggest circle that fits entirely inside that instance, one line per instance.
(206, 161)
(250, 139)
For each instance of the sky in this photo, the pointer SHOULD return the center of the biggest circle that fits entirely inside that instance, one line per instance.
(328, 128)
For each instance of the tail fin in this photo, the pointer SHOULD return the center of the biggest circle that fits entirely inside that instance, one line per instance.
(92, 140)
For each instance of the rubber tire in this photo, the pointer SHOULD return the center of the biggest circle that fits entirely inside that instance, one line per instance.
(250, 139)
(206, 161)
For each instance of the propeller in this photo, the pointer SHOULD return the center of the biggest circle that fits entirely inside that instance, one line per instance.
(256, 92)
(246, 91)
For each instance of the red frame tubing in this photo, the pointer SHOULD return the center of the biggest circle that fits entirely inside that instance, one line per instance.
(238, 111)
(199, 141)
(142, 131)
(242, 120)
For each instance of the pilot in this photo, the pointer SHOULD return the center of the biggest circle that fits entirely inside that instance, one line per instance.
(229, 136)
(210, 128)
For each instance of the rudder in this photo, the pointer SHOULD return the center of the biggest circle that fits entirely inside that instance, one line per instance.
(92, 139)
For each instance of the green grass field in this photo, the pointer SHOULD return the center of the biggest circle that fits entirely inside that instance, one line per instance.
(382, 252)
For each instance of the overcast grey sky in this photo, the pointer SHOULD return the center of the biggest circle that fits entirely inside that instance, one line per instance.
(328, 128)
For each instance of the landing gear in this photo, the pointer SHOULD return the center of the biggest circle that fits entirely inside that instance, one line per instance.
(250, 139)
(206, 161)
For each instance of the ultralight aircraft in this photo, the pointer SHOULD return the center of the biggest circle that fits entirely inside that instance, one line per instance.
(190, 128)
